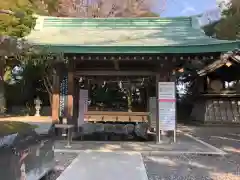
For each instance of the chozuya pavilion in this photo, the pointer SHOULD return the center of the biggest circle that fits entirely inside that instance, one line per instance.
(121, 48)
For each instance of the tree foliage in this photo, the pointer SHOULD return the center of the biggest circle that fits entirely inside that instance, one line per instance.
(19, 27)
(229, 26)
(14, 26)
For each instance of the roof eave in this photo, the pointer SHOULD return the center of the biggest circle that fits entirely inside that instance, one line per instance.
(182, 49)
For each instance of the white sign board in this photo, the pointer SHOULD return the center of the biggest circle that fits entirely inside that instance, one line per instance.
(83, 105)
(166, 90)
(167, 106)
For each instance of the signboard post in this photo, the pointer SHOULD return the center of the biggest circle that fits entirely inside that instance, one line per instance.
(167, 107)
(153, 111)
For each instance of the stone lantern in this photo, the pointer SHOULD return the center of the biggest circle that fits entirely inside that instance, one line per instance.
(37, 103)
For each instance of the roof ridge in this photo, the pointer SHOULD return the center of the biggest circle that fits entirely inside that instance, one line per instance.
(109, 18)
(67, 22)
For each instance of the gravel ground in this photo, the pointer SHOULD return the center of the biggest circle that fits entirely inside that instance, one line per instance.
(187, 167)
(224, 138)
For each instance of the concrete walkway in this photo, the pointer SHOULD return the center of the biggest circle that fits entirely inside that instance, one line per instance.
(105, 166)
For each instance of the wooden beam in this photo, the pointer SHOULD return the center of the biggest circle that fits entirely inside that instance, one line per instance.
(114, 73)
(212, 67)
(116, 65)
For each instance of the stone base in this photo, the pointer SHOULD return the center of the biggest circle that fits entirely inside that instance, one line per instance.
(139, 130)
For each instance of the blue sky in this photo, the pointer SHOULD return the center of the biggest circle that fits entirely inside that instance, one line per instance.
(185, 7)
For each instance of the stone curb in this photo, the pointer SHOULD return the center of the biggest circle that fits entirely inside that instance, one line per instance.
(159, 153)
(213, 150)
(147, 153)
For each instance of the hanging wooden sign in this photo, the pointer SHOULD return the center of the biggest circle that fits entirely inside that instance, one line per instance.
(63, 96)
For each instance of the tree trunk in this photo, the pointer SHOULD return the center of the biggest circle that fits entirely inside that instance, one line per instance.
(129, 98)
(2, 96)
(50, 98)
(49, 87)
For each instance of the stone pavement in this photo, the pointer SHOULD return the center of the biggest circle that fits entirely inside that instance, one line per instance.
(166, 166)
(186, 144)
(105, 166)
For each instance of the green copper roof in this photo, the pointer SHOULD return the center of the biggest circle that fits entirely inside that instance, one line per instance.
(125, 35)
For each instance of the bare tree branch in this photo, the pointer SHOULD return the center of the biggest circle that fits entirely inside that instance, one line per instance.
(105, 8)
(48, 87)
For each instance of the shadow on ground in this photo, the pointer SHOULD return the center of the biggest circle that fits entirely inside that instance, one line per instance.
(191, 167)
(183, 145)
(225, 138)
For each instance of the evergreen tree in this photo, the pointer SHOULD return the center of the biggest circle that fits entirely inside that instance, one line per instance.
(229, 26)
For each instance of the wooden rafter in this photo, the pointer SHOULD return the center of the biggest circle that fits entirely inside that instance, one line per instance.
(233, 56)
(143, 57)
(115, 73)
(212, 67)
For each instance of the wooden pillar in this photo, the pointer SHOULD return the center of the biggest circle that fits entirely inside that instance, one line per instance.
(70, 94)
(55, 97)
(158, 133)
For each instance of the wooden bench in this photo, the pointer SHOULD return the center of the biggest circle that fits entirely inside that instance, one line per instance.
(108, 116)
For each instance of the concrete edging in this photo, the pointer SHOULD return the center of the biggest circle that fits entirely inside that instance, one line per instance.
(213, 150)
(147, 153)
